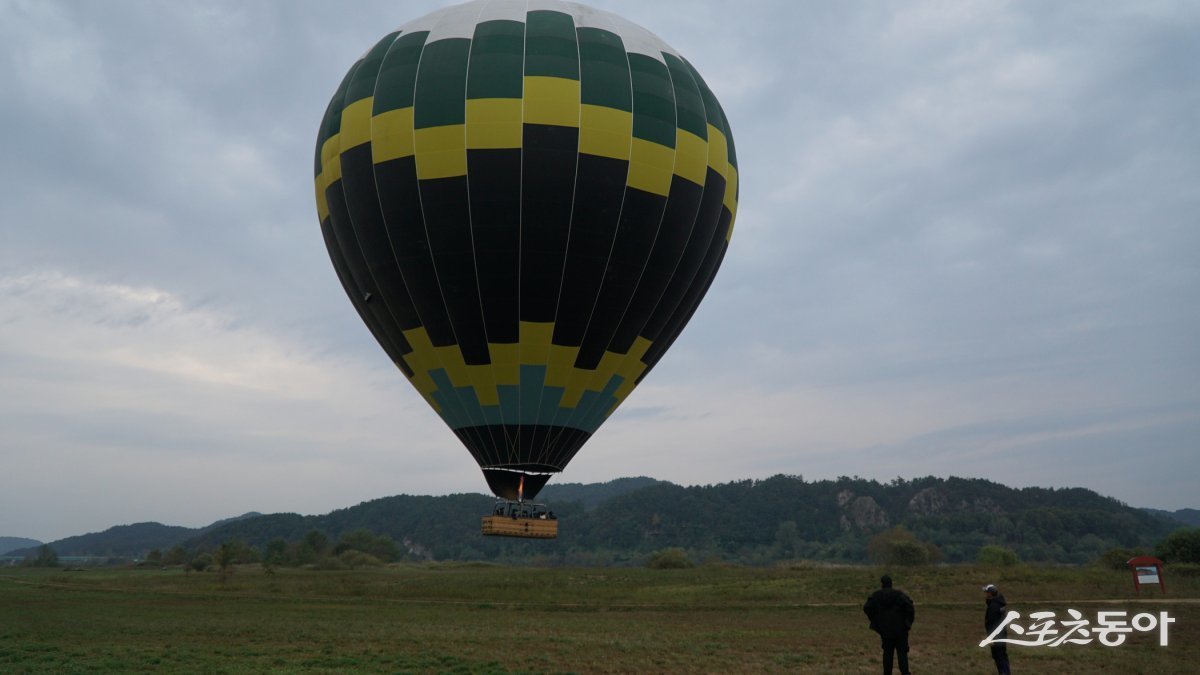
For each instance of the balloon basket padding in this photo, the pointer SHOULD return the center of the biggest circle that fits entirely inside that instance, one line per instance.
(520, 519)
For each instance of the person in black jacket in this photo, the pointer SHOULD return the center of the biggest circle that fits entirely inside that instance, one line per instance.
(993, 616)
(891, 613)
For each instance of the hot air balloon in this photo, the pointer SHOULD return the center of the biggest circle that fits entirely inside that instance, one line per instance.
(525, 202)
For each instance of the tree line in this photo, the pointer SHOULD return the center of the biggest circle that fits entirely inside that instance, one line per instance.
(851, 520)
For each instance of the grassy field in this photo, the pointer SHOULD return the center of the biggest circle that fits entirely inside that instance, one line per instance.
(486, 619)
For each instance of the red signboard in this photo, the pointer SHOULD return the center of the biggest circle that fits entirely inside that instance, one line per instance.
(1147, 571)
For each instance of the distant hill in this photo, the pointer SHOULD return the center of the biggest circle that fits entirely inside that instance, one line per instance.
(13, 543)
(592, 494)
(120, 542)
(749, 521)
(1189, 517)
(126, 541)
(746, 521)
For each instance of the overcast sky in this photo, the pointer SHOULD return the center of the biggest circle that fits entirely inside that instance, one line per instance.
(968, 243)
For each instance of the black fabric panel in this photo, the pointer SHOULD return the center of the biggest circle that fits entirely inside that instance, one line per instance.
(448, 222)
(400, 205)
(695, 293)
(652, 359)
(494, 181)
(677, 224)
(548, 186)
(365, 292)
(598, 195)
(507, 484)
(358, 180)
(395, 352)
(561, 443)
(525, 455)
(699, 242)
(640, 219)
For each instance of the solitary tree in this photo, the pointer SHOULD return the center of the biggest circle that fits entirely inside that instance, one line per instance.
(225, 557)
(176, 556)
(46, 557)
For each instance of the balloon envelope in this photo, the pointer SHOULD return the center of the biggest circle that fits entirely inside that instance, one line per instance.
(525, 202)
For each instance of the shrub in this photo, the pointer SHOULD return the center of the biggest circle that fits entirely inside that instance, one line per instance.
(1118, 558)
(899, 546)
(1181, 546)
(355, 559)
(201, 562)
(669, 559)
(997, 555)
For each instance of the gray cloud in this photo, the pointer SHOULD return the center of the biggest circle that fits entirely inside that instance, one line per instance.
(966, 242)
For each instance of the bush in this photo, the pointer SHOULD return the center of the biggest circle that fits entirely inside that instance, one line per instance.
(1181, 546)
(669, 559)
(1189, 570)
(356, 559)
(1118, 558)
(899, 546)
(363, 540)
(997, 555)
(201, 562)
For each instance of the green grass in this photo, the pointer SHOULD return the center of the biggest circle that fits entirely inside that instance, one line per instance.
(490, 619)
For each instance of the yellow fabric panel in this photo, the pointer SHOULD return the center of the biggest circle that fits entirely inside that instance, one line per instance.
(605, 132)
(718, 151)
(631, 369)
(731, 184)
(580, 380)
(691, 156)
(322, 203)
(493, 123)
(356, 124)
(560, 364)
(577, 381)
(610, 363)
(331, 171)
(505, 364)
(392, 135)
(451, 359)
(422, 359)
(729, 232)
(331, 165)
(483, 380)
(650, 167)
(535, 342)
(441, 151)
(551, 100)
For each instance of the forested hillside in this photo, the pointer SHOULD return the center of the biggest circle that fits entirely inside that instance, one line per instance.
(127, 541)
(752, 522)
(119, 541)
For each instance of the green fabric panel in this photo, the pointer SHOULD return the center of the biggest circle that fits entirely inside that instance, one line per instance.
(332, 122)
(441, 82)
(732, 150)
(398, 73)
(653, 101)
(363, 83)
(497, 56)
(714, 113)
(689, 107)
(604, 70)
(550, 45)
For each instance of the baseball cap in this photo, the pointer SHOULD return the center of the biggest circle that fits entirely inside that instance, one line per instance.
(990, 588)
